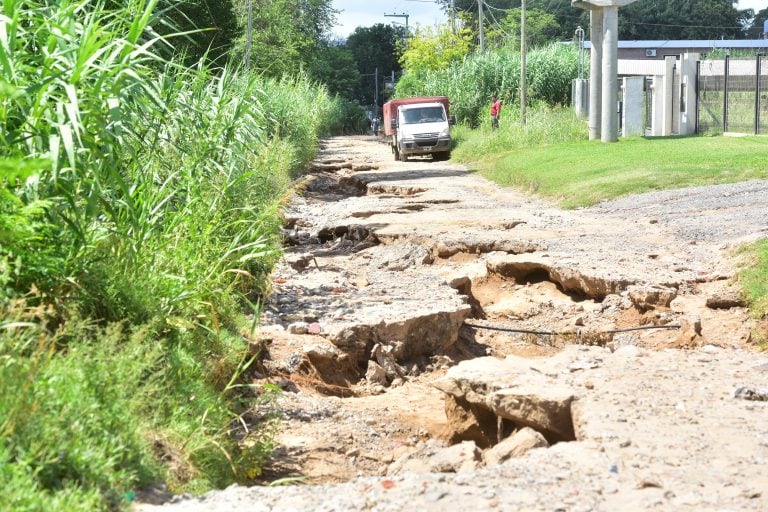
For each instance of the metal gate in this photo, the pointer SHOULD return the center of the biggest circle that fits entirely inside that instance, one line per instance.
(732, 95)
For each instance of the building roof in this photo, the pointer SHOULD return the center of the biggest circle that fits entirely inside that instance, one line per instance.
(692, 43)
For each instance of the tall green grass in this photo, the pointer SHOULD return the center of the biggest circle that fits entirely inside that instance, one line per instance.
(544, 126)
(471, 82)
(139, 218)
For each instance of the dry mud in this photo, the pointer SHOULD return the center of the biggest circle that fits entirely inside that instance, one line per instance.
(422, 318)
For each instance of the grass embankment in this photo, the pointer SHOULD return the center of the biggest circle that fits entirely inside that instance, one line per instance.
(139, 219)
(553, 158)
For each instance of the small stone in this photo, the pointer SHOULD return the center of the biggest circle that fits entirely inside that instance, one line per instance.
(376, 374)
(725, 300)
(314, 328)
(516, 445)
(354, 452)
(298, 328)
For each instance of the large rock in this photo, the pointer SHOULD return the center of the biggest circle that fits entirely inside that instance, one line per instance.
(418, 314)
(459, 458)
(725, 299)
(469, 422)
(398, 257)
(595, 284)
(521, 391)
(651, 297)
(516, 445)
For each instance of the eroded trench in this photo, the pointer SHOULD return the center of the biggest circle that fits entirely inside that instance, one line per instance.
(522, 307)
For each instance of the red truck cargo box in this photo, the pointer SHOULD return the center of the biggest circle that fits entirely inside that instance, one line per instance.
(390, 109)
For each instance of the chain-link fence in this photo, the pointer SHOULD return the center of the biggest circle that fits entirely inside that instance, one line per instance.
(732, 95)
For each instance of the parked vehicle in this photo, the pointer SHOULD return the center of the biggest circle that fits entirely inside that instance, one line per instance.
(419, 126)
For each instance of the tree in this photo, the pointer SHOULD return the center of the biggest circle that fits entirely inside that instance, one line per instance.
(541, 28)
(287, 34)
(756, 24)
(644, 19)
(336, 68)
(213, 26)
(567, 16)
(375, 47)
(682, 19)
(209, 29)
(430, 49)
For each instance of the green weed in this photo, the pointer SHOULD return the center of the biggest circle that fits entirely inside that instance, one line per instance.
(753, 278)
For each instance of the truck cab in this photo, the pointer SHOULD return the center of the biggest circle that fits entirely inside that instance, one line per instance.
(423, 129)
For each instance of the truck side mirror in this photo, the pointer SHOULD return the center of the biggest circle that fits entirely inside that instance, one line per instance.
(393, 124)
(451, 119)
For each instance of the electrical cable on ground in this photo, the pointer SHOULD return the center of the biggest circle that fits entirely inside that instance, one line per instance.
(567, 333)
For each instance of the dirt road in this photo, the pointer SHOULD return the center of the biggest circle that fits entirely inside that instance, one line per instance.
(407, 286)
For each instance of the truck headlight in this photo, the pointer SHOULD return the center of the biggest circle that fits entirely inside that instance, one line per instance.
(445, 133)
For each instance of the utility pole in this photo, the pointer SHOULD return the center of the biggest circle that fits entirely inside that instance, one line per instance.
(249, 36)
(480, 24)
(453, 16)
(522, 63)
(376, 93)
(402, 15)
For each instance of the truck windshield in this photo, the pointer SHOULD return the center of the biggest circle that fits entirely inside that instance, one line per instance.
(423, 115)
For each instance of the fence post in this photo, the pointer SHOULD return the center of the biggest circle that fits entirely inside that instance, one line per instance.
(725, 92)
(698, 95)
(758, 64)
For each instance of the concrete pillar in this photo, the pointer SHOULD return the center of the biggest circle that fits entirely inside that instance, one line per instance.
(669, 92)
(632, 114)
(610, 118)
(688, 93)
(657, 106)
(580, 100)
(595, 72)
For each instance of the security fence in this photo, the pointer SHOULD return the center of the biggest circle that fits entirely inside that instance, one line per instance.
(732, 95)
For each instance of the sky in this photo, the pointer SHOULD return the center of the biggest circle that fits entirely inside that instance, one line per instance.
(757, 5)
(364, 13)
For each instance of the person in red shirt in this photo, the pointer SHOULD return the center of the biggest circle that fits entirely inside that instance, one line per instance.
(495, 111)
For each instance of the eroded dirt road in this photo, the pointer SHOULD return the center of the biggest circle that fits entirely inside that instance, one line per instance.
(408, 324)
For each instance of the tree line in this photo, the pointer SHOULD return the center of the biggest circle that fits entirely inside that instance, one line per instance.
(296, 36)
(644, 19)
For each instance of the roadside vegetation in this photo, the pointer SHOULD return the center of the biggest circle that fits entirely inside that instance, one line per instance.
(139, 219)
(753, 278)
(471, 81)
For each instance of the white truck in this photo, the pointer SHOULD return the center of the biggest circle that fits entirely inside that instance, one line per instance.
(419, 126)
